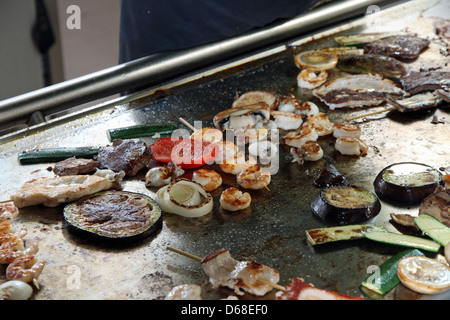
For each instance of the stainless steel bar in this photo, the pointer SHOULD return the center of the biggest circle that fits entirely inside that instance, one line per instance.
(152, 70)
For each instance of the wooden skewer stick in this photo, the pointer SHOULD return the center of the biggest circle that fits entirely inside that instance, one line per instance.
(370, 114)
(190, 126)
(192, 256)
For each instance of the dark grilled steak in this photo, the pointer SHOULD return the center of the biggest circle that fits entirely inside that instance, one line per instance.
(74, 166)
(401, 47)
(416, 82)
(130, 156)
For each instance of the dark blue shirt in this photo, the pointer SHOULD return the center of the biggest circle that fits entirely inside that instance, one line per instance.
(155, 26)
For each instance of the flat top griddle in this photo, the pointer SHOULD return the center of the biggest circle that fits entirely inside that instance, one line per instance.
(272, 230)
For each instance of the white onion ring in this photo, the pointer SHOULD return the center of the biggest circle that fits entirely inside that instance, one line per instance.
(185, 198)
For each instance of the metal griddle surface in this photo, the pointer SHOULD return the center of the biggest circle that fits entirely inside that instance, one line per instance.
(272, 230)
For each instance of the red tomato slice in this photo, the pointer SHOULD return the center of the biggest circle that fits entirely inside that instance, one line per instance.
(185, 152)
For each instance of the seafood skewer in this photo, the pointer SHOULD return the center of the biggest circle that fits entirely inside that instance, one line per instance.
(200, 259)
(297, 290)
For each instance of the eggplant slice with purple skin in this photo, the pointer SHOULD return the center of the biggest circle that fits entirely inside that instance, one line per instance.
(114, 216)
(407, 182)
(345, 204)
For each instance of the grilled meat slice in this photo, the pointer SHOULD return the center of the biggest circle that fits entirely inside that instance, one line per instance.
(74, 166)
(416, 81)
(129, 155)
(356, 91)
(403, 47)
(53, 191)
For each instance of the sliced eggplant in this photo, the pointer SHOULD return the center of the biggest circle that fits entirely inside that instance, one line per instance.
(407, 182)
(345, 204)
(114, 216)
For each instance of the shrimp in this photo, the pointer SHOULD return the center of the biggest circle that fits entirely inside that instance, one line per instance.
(253, 177)
(308, 79)
(256, 134)
(208, 134)
(227, 149)
(209, 179)
(25, 268)
(8, 237)
(320, 123)
(310, 151)
(298, 138)
(346, 130)
(232, 199)
(351, 146)
(5, 227)
(287, 120)
(236, 164)
(12, 246)
(8, 211)
(307, 108)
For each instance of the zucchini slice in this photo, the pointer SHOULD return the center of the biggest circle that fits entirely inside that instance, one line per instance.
(433, 228)
(403, 240)
(56, 154)
(114, 216)
(385, 278)
(141, 130)
(332, 234)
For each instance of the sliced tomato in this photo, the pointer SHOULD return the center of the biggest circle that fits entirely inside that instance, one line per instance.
(185, 152)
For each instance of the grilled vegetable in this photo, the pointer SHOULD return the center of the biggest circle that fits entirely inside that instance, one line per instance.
(385, 279)
(118, 216)
(359, 40)
(424, 275)
(407, 182)
(140, 131)
(56, 154)
(433, 228)
(186, 153)
(403, 240)
(345, 204)
(332, 234)
(372, 63)
(315, 60)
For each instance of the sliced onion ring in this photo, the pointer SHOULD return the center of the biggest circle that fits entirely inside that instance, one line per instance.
(185, 198)
(315, 60)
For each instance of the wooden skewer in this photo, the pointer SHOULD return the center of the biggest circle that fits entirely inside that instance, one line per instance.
(192, 256)
(190, 126)
(370, 114)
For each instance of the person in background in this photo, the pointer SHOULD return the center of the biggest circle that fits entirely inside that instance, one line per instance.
(148, 27)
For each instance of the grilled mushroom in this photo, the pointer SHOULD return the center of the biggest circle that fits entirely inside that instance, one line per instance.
(243, 117)
(256, 97)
